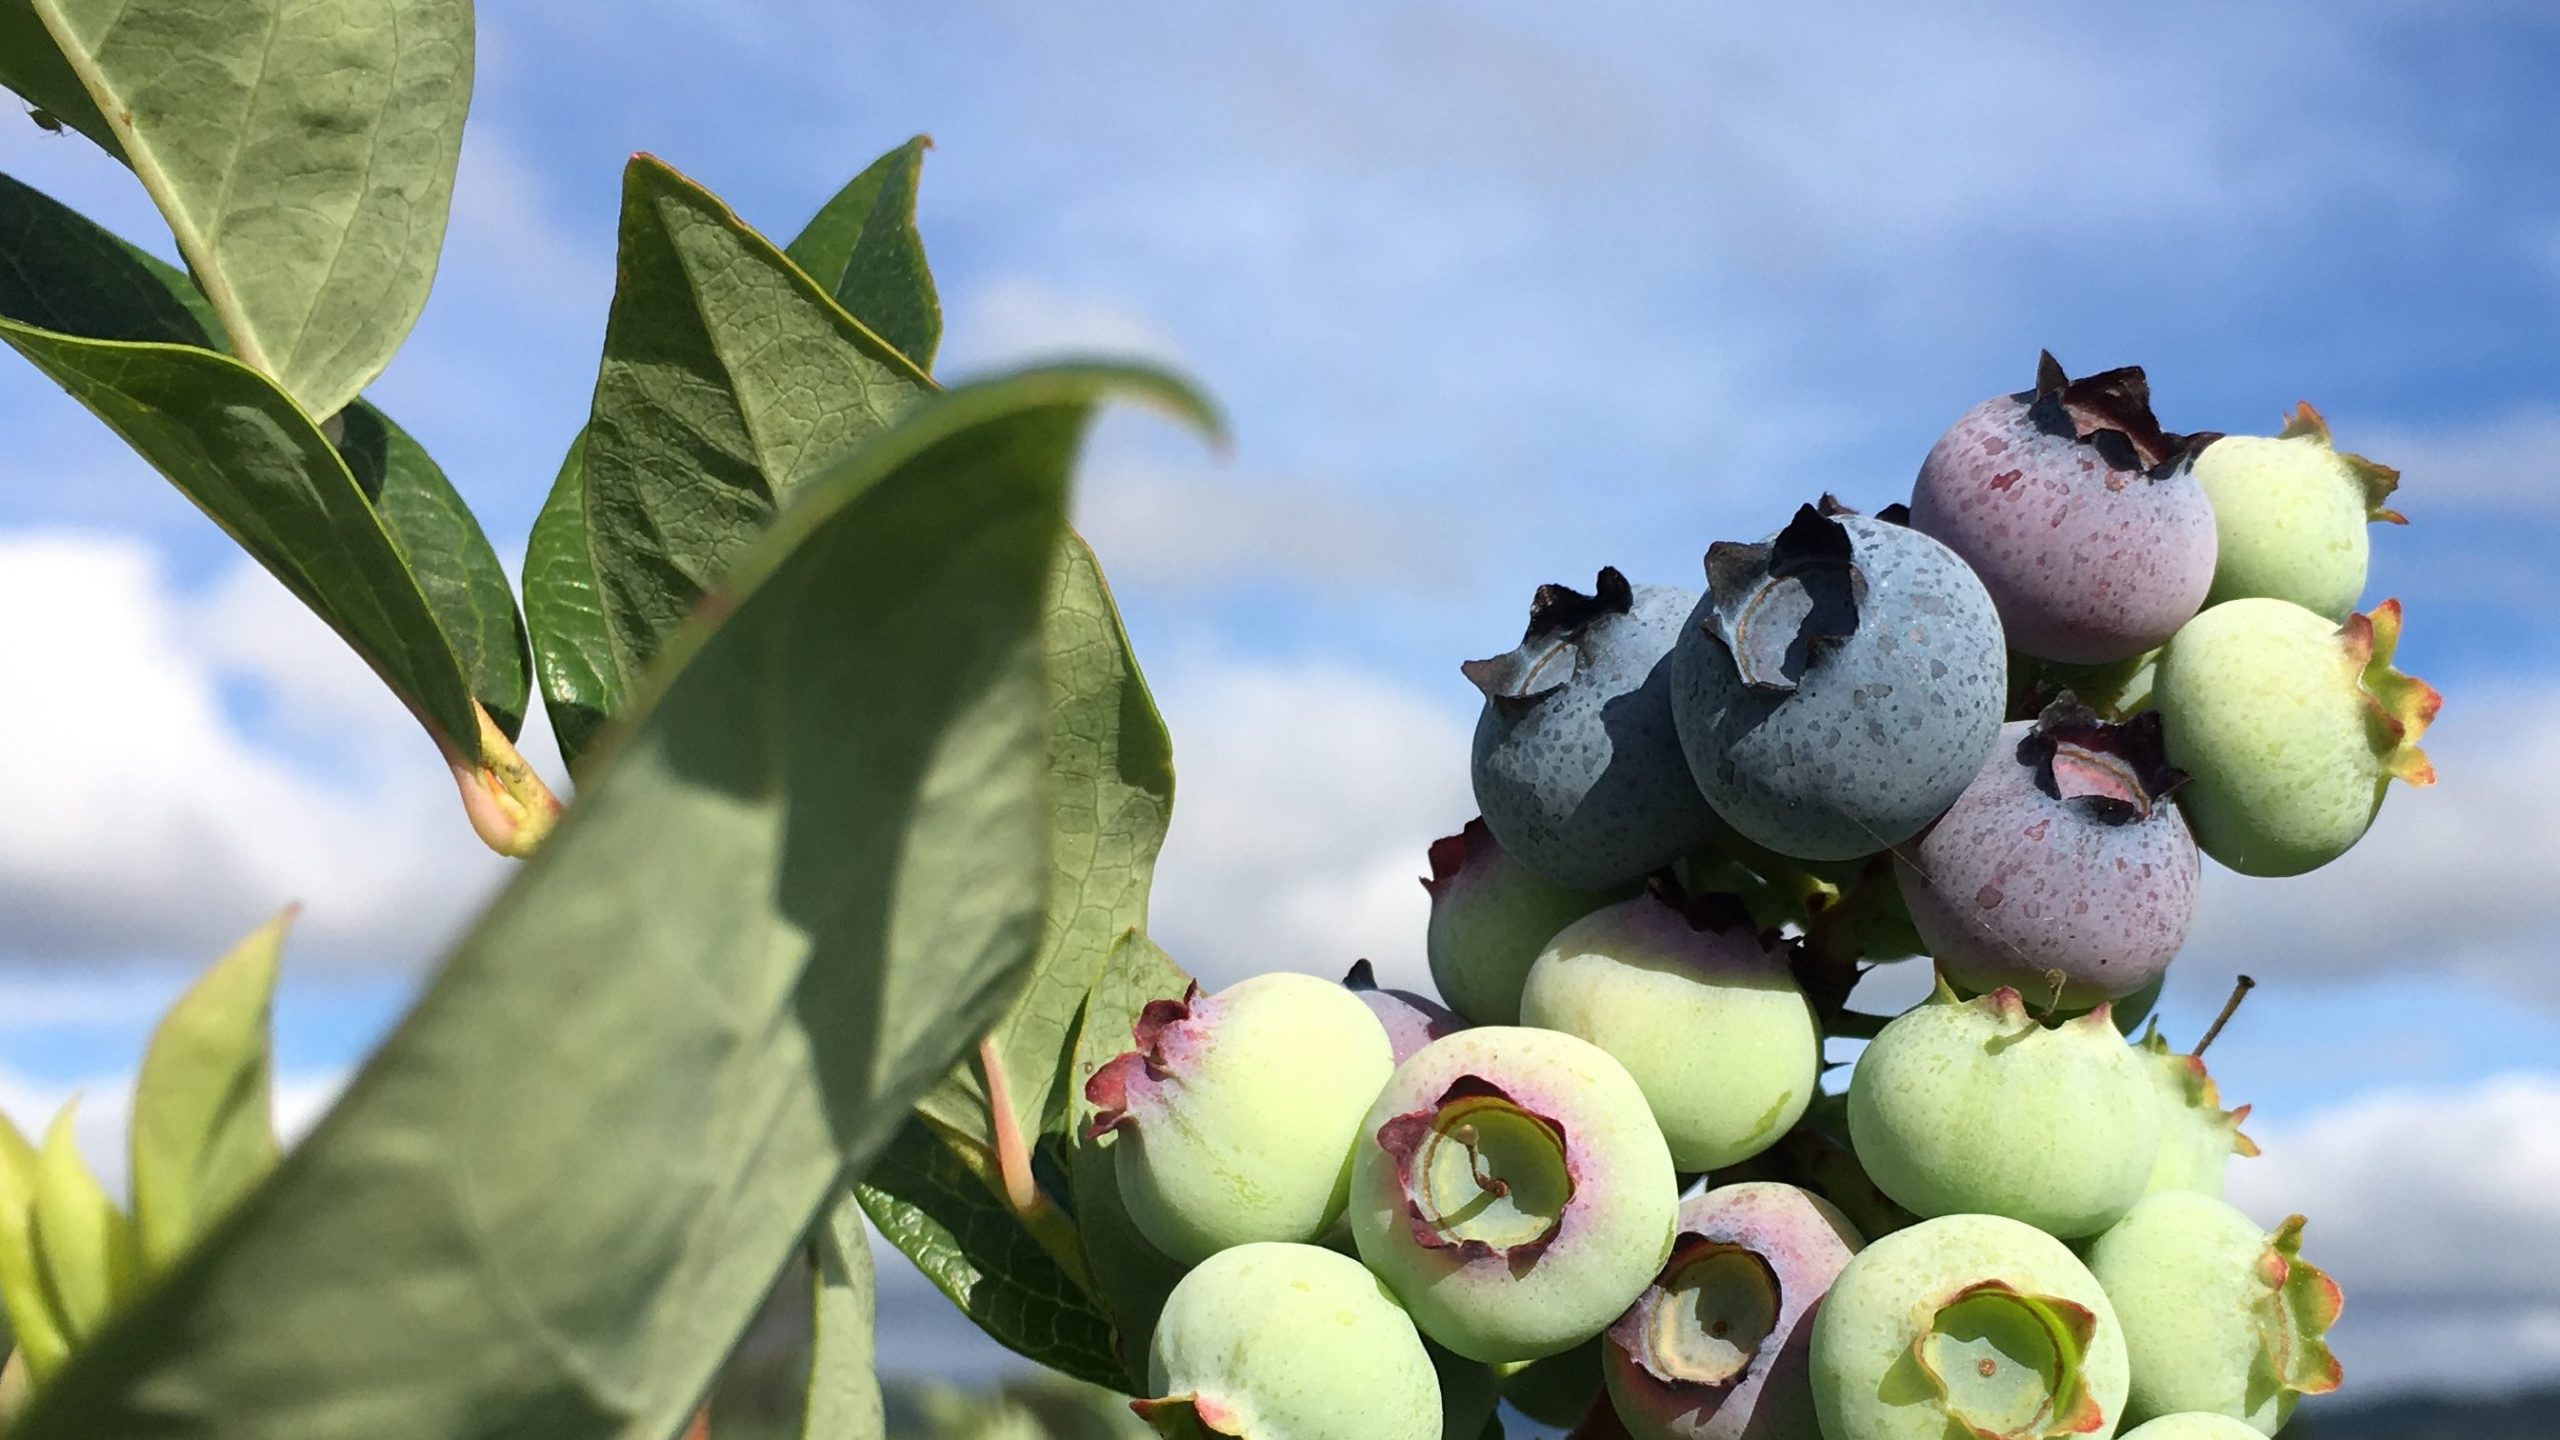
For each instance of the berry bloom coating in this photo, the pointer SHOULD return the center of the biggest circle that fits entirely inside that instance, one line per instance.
(1839, 685)
(1511, 1187)
(1967, 1326)
(1411, 1021)
(1287, 1342)
(1972, 1106)
(1490, 916)
(1237, 1111)
(2081, 515)
(2218, 1315)
(2191, 1426)
(2290, 728)
(2292, 513)
(2197, 1136)
(2063, 855)
(1577, 767)
(1720, 1347)
(1699, 1009)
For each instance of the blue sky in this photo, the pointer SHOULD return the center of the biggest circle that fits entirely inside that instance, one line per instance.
(1492, 298)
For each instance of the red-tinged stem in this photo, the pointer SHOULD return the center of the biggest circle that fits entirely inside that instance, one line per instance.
(2230, 1007)
(1013, 1158)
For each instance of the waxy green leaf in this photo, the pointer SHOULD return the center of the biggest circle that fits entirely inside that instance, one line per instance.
(808, 871)
(943, 1213)
(862, 248)
(83, 1243)
(843, 1401)
(1133, 1276)
(203, 1131)
(1111, 797)
(41, 1334)
(582, 675)
(302, 154)
(366, 531)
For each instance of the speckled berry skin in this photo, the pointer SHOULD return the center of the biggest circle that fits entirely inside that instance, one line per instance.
(2082, 517)
(1411, 1021)
(2065, 853)
(2218, 1315)
(1707, 1019)
(1490, 916)
(2190, 1426)
(1886, 1310)
(1577, 767)
(1838, 686)
(1972, 1106)
(2293, 514)
(1720, 1346)
(1288, 1342)
(1580, 1219)
(2290, 728)
(1237, 1112)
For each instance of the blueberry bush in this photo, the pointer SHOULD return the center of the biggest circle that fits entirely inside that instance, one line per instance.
(844, 934)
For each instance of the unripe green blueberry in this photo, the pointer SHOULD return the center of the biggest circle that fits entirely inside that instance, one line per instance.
(2197, 1136)
(1511, 1187)
(1490, 916)
(2218, 1315)
(1287, 1342)
(1702, 1013)
(2191, 1426)
(1973, 1106)
(1719, 1347)
(1237, 1111)
(2290, 513)
(1967, 1326)
(2290, 728)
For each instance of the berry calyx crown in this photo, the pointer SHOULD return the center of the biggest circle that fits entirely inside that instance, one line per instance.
(2110, 412)
(1550, 650)
(2300, 1304)
(2114, 772)
(2374, 478)
(1778, 604)
(2007, 1365)
(2398, 708)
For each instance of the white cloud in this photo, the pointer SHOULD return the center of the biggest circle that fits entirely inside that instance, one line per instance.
(2453, 878)
(1202, 525)
(1309, 795)
(2510, 462)
(2438, 1212)
(1017, 320)
(143, 821)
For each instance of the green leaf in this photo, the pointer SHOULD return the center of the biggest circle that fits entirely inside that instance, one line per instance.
(844, 1386)
(367, 532)
(1134, 1277)
(728, 380)
(32, 65)
(302, 154)
(941, 1212)
(83, 1244)
(1111, 797)
(43, 1338)
(583, 681)
(203, 1129)
(862, 248)
(808, 871)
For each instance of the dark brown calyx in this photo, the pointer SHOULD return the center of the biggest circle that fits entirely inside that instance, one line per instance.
(1776, 605)
(2111, 413)
(1550, 650)
(2112, 772)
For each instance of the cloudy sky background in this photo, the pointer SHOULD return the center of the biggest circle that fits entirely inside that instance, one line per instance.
(1491, 300)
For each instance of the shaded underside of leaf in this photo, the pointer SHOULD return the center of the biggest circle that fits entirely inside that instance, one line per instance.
(812, 870)
(32, 65)
(61, 272)
(303, 155)
(843, 1401)
(728, 379)
(941, 1213)
(1111, 767)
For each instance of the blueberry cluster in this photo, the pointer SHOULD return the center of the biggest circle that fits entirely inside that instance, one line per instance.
(1996, 728)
